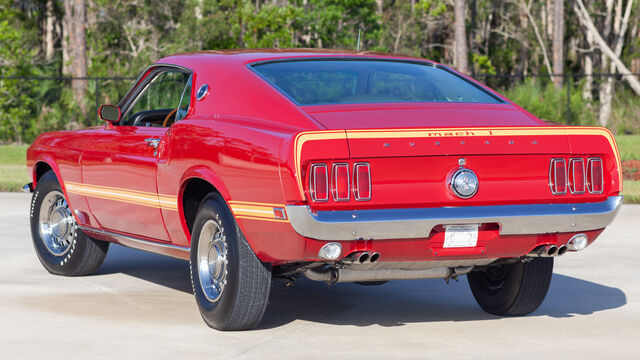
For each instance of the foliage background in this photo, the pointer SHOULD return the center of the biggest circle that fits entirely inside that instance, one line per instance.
(124, 36)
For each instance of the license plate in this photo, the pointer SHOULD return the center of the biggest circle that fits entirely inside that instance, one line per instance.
(457, 236)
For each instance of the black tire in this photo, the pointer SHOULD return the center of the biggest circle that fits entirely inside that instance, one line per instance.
(512, 289)
(241, 302)
(82, 255)
(371, 283)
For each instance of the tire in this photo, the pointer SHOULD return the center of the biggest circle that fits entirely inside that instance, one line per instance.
(230, 284)
(63, 249)
(371, 283)
(512, 289)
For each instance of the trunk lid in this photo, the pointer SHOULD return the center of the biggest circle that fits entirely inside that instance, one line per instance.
(412, 115)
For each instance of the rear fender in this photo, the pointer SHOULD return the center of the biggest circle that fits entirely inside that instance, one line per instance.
(202, 173)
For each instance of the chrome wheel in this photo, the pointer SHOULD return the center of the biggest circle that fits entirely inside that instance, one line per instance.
(212, 260)
(57, 225)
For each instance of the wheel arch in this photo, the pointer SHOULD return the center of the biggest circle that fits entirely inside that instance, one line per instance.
(41, 166)
(195, 185)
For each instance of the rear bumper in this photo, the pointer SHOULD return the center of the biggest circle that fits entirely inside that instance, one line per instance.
(418, 223)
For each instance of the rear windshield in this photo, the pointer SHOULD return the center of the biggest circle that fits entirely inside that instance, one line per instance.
(319, 82)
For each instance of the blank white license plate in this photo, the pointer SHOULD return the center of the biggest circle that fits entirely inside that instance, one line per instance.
(456, 236)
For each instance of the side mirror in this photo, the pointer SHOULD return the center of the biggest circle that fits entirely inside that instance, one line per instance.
(110, 113)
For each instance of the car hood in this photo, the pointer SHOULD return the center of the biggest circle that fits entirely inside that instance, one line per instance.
(377, 116)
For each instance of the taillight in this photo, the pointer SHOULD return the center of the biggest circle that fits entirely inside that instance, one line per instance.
(362, 182)
(558, 177)
(340, 182)
(595, 177)
(576, 176)
(319, 182)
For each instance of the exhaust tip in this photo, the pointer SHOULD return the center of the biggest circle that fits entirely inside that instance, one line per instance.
(363, 257)
(374, 257)
(551, 250)
(562, 249)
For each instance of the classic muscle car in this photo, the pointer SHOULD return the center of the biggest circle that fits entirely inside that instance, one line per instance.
(340, 166)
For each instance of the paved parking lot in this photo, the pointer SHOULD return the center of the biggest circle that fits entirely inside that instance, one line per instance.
(140, 305)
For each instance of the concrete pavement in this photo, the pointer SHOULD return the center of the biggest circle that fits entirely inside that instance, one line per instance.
(139, 305)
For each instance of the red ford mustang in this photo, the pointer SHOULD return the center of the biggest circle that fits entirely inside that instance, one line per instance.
(335, 165)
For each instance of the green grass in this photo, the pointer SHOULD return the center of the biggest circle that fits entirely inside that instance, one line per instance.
(13, 168)
(629, 146)
(631, 192)
(13, 171)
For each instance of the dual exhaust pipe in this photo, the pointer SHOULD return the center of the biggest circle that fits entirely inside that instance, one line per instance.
(549, 251)
(363, 257)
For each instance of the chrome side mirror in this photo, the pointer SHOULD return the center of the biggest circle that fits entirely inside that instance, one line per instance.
(110, 113)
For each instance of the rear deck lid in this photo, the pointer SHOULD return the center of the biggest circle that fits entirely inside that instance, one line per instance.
(420, 115)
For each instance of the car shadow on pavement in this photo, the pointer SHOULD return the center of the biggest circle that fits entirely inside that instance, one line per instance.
(395, 303)
(158, 269)
(410, 301)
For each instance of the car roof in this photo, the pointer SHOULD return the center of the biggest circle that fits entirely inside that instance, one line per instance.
(244, 56)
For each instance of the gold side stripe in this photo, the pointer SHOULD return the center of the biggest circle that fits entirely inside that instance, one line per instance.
(166, 202)
(235, 202)
(303, 137)
(115, 189)
(265, 213)
(261, 219)
(256, 211)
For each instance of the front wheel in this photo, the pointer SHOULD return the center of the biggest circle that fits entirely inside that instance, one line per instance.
(512, 289)
(62, 248)
(231, 285)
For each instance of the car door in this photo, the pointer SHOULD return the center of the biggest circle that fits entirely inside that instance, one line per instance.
(119, 170)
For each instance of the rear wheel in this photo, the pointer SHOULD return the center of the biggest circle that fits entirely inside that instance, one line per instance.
(62, 248)
(512, 289)
(231, 285)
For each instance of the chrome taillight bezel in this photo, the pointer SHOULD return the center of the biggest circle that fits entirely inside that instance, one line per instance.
(334, 182)
(355, 186)
(312, 182)
(552, 176)
(589, 178)
(571, 176)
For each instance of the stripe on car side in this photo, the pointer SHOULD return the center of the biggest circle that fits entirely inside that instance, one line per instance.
(166, 202)
(240, 209)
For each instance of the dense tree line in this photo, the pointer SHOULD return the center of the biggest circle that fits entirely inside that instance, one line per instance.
(518, 38)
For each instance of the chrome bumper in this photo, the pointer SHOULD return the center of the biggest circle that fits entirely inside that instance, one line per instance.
(418, 223)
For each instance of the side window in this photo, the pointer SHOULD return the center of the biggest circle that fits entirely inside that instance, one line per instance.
(185, 101)
(159, 100)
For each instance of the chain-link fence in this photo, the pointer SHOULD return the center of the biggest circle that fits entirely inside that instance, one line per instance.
(30, 105)
(578, 101)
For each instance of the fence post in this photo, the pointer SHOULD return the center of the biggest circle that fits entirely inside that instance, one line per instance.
(568, 81)
(97, 94)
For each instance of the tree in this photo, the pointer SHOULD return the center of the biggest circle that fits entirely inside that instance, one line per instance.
(558, 41)
(49, 29)
(75, 48)
(460, 36)
(526, 7)
(617, 31)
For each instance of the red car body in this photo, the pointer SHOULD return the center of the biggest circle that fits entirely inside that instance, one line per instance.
(254, 146)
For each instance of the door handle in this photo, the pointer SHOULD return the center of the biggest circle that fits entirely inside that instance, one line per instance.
(153, 142)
